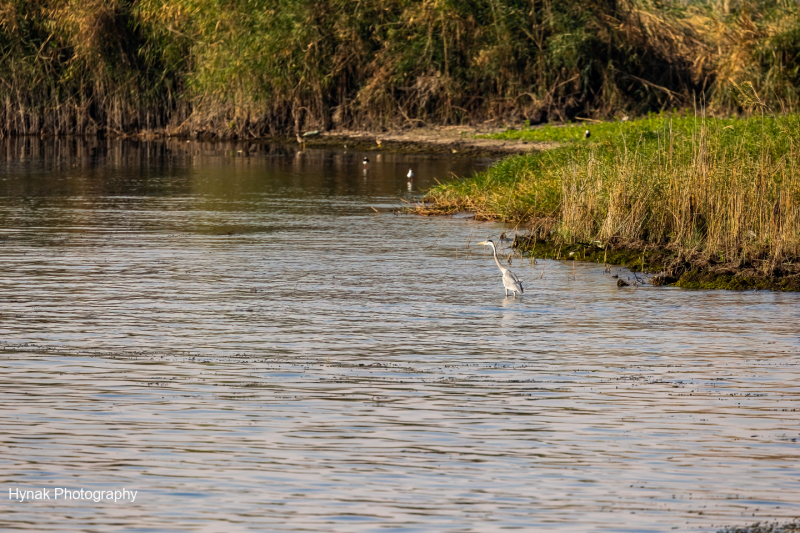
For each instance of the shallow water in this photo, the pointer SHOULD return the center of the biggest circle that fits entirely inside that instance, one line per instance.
(256, 341)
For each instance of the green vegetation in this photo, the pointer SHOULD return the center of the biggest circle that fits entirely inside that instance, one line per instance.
(244, 68)
(712, 191)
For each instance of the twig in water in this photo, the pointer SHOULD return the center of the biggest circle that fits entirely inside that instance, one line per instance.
(437, 237)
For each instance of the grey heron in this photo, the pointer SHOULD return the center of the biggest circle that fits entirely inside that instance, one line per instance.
(510, 280)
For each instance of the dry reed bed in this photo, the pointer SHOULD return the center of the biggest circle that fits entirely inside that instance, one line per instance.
(239, 69)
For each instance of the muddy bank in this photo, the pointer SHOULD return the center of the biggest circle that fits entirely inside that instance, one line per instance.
(664, 264)
(764, 527)
(459, 141)
(668, 265)
(456, 140)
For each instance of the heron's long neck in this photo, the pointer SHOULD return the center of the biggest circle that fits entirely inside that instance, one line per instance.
(494, 249)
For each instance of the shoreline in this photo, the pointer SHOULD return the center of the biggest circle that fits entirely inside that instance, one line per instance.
(664, 264)
(669, 266)
(706, 203)
(462, 141)
(458, 141)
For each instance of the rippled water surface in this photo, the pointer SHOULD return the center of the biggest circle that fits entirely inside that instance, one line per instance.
(254, 340)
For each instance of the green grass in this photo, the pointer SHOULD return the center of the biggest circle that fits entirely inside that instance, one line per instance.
(647, 128)
(727, 188)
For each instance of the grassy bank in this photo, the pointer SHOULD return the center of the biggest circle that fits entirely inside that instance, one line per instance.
(708, 202)
(241, 69)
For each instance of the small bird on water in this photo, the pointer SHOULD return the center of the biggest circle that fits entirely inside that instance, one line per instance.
(510, 280)
(300, 141)
(366, 161)
(410, 174)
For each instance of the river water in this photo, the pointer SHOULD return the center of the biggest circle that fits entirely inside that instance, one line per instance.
(255, 340)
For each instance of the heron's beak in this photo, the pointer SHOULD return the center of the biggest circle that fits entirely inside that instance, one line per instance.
(483, 242)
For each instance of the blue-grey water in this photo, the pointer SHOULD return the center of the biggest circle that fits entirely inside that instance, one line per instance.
(256, 340)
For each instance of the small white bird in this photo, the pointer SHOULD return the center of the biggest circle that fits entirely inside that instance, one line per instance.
(510, 280)
(410, 174)
(366, 160)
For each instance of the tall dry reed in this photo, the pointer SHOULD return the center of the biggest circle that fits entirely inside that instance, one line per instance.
(235, 68)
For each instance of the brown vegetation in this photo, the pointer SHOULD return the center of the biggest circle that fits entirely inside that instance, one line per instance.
(235, 69)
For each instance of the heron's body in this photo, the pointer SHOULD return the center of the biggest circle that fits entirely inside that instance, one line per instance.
(510, 280)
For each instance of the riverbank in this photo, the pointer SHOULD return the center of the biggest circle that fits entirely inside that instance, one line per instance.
(700, 202)
(668, 265)
(461, 141)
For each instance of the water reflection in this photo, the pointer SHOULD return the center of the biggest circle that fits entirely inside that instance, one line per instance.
(244, 340)
(35, 168)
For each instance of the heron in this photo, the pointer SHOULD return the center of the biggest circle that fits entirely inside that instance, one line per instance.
(510, 280)
(300, 141)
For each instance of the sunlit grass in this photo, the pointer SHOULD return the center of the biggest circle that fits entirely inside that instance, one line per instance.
(729, 188)
(646, 128)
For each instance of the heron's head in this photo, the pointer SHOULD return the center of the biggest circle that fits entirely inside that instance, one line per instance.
(487, 243)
